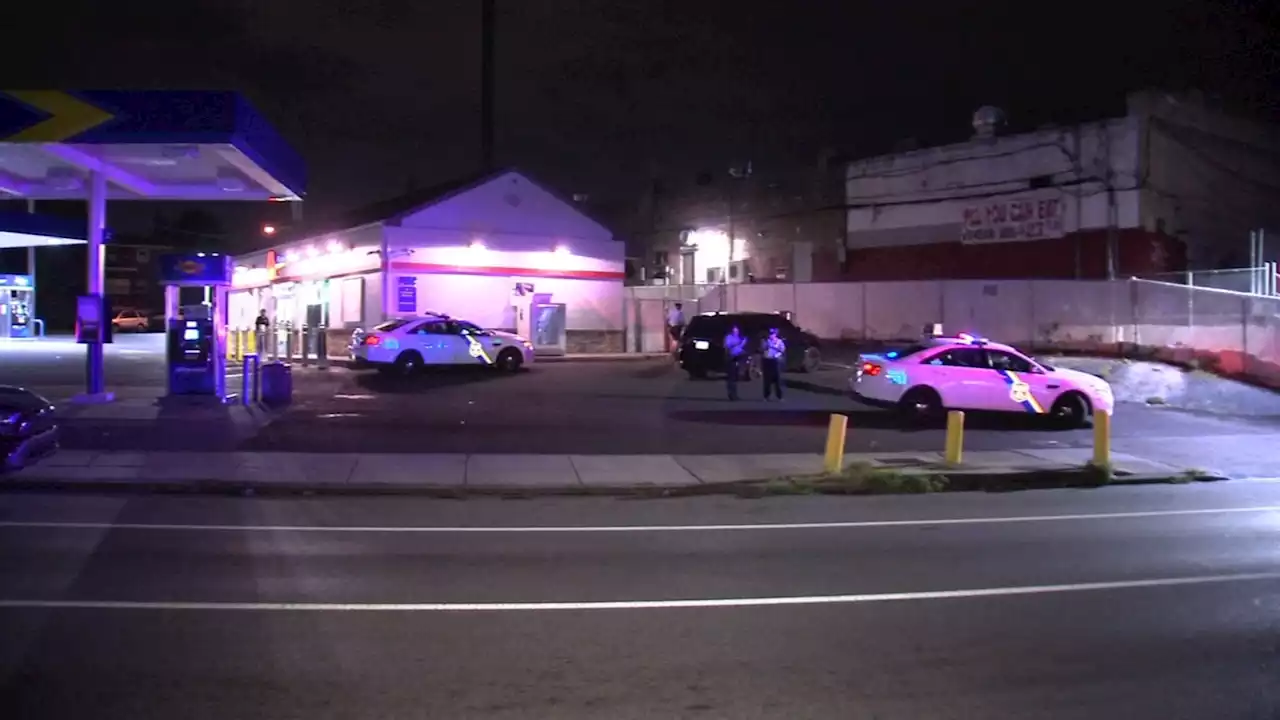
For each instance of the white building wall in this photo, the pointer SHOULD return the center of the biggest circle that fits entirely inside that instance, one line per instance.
(1211, 178)
(512, 206)
(919, 197)
(467, 253)
(1235, 333)
(477, 283)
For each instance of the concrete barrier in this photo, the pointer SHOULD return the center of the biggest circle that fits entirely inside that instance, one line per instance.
(1229, 333)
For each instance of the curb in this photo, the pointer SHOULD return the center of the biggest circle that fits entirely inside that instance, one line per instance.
(958, 482)
(627, 358)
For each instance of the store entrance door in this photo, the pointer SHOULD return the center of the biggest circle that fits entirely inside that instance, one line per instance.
(550, 336)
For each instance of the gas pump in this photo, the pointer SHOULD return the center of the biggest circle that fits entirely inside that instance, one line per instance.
(196, 331)
(16, 294)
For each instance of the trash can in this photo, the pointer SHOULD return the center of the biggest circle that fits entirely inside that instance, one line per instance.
(277, 384)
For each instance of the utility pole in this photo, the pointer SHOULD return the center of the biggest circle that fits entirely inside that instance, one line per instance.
(487, 23)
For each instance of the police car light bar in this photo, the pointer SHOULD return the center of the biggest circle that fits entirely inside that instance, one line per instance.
(970, 339)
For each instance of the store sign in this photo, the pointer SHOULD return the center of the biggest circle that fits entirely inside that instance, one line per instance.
(251, 277)
(407, 294)
(329, 264)
(1013, 220)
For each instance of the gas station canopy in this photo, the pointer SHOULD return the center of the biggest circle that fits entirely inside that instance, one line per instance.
(20, 230)
(147, 145)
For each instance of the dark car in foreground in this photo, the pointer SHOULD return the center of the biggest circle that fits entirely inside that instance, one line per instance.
(28, 428)
(701, 350)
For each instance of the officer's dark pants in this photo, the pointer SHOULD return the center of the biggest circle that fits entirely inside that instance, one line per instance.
(771, 370)
(732, 367)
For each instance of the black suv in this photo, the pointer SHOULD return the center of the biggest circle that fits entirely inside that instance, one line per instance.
(701, 350)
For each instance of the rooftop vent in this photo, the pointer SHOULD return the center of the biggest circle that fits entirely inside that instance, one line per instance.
(987, 121)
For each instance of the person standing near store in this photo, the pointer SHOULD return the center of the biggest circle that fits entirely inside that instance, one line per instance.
(775, 353)
(260, 328)
(735, 351)
(675, 323)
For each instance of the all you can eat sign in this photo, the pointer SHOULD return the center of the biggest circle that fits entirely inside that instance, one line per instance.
(1013, 220)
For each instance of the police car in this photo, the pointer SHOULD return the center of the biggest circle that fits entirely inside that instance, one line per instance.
(970, 373)
(405, 345)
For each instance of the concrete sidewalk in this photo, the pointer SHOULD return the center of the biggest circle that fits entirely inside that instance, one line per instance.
(548, 473)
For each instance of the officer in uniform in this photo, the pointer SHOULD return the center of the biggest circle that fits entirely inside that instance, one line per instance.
(775, 353)
(735, 351)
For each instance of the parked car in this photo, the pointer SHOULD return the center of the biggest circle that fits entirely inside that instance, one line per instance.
(701, 349)
(28, 428)
(404, 345)
(130, 321)
(966, 372)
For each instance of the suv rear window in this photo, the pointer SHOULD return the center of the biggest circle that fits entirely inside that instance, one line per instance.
(708, 327)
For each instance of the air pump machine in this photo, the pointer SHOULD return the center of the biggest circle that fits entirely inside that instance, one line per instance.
(195, 322)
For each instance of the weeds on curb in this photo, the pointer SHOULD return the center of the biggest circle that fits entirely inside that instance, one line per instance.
(857, 479)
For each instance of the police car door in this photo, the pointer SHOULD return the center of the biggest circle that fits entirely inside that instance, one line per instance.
(962, 377)
(1026, 387)
(437, 345)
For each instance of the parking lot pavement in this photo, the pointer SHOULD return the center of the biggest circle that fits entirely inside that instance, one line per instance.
(642, 408)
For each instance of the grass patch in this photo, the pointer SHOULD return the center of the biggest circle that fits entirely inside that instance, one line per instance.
(1191, 475)
(862, 479)
(857, 479)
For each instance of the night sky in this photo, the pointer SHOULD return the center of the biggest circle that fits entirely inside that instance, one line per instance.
(596, 96)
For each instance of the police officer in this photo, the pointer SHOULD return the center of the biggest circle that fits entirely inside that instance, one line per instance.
(675, 323)
(775, 353)
(735, 351)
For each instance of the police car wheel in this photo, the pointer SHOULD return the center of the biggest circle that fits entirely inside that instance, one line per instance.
(509, 360)
(408, 363)
(920, 404)
(1070, 411)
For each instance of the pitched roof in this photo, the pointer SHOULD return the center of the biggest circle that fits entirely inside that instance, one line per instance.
(395, 209)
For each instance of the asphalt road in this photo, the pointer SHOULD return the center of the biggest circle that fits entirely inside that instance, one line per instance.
(576, 408)
(1137, 603)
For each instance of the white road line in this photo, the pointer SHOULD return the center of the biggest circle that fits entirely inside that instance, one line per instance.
(850, 525)
(633, 604)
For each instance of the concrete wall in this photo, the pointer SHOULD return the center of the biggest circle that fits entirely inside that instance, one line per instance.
(1236, 333)
(919, 197)
(1210, 177)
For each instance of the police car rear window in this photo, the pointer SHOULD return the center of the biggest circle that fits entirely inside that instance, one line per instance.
(907, 351)
(390, 325)
(703, 325)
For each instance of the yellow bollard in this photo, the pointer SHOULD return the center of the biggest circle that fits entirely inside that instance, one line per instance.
(250, 342)
(231, 344)
(1101, 439)
(955, 437)
(833, 461)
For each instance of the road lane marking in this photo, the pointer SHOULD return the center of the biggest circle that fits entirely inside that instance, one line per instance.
(636, 604)
(849, 525)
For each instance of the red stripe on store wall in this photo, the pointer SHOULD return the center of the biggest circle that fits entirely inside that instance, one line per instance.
(506, 271)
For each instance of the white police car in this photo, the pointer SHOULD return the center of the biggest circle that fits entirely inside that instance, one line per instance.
(969, 373)
(405, 345)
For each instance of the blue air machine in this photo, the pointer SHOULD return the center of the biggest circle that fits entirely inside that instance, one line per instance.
(16, 298)
(195, 321)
